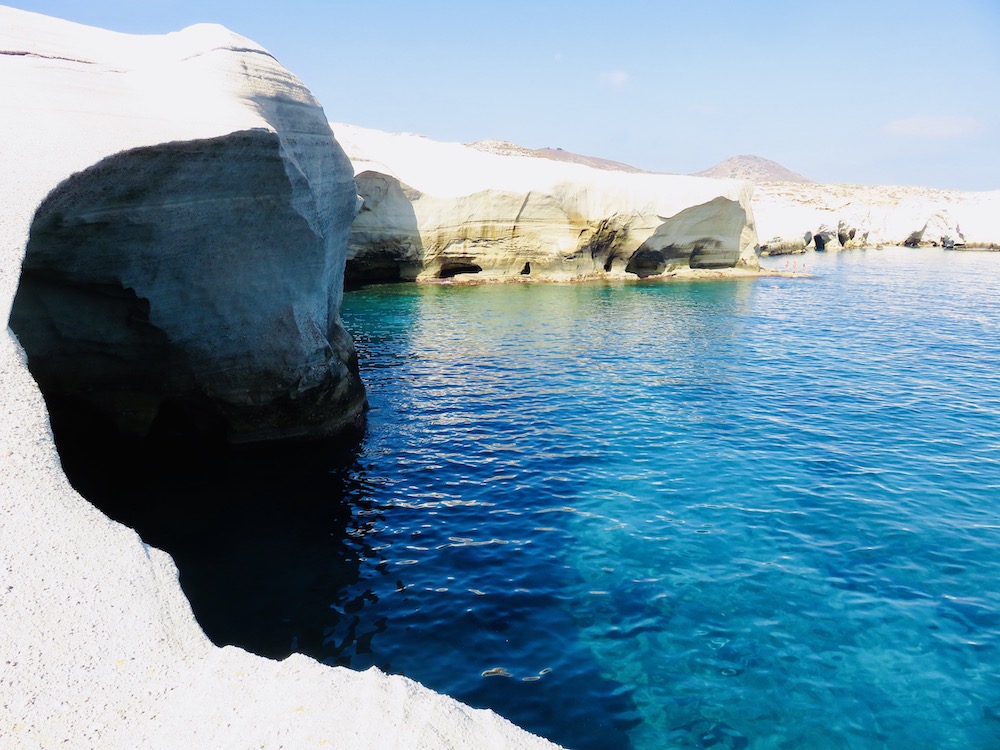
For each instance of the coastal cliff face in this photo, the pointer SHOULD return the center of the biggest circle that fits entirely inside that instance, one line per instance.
(795, 217)
(180, 211)
(437, 210)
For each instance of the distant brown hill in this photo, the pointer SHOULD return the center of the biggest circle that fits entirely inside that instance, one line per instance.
(752, 168)
(745, 167)
(506, 148)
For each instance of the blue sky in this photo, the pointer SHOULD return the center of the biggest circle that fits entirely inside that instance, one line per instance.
(872, 92)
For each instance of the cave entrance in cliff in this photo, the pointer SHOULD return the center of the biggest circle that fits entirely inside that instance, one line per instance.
(647, 262)
(377, 271)
(451, 270)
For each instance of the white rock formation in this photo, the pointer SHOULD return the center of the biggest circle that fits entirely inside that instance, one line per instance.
(99, 645)
(790, 215)
(155, 270)
(435, 210)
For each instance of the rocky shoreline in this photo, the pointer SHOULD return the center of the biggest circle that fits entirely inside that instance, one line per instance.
(795, 217)
(179, 200)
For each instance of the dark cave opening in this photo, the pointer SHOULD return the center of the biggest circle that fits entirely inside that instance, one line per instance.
(371, 271)
(647, 262)
(450, 270)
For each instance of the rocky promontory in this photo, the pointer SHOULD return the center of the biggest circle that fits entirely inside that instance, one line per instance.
(173, 223)
(435, 210)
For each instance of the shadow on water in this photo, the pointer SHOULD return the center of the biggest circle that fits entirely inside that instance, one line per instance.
(264, 542)
(291, 549)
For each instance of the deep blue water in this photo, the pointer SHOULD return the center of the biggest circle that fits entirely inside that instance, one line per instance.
(737, 514)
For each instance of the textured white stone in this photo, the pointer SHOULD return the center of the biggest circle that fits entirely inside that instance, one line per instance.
(99, 647)
(244, 276)
(882, 215)
(431, 207)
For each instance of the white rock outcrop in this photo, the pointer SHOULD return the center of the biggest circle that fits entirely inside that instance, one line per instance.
(99, 645)
(789, 216)
(154, 270)
(436, 210)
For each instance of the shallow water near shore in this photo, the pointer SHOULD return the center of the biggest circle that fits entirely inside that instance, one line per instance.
(746, 514)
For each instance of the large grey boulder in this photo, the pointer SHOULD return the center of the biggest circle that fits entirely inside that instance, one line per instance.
(169, 189)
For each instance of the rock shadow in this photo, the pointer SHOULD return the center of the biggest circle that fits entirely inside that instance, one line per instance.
(170, 308)
(162, 273)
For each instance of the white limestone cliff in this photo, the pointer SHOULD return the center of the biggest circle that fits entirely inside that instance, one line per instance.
(789, 216)
(437, 210)
(99, 645)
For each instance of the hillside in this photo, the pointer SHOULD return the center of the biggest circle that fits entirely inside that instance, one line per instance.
(506, 148)
(753, 169)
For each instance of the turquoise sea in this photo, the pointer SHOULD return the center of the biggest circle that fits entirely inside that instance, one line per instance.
(738, 514)
(734, 514)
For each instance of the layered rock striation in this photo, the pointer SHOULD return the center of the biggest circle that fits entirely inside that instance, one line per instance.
(438, 210)
(180, 211)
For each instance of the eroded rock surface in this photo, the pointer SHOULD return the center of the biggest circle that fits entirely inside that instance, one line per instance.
(796, 217)
(201, 272)
(118, 150)
(437, 210)
(183, 273)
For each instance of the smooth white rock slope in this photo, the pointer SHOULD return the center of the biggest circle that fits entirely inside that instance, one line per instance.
(99, 645)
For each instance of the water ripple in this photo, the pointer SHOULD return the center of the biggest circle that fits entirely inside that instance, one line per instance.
(736, 514)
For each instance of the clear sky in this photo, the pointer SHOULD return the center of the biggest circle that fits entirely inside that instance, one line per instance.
(864, 91)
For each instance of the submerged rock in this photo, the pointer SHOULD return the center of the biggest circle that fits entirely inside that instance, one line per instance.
(706, 733)
(438, 210)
